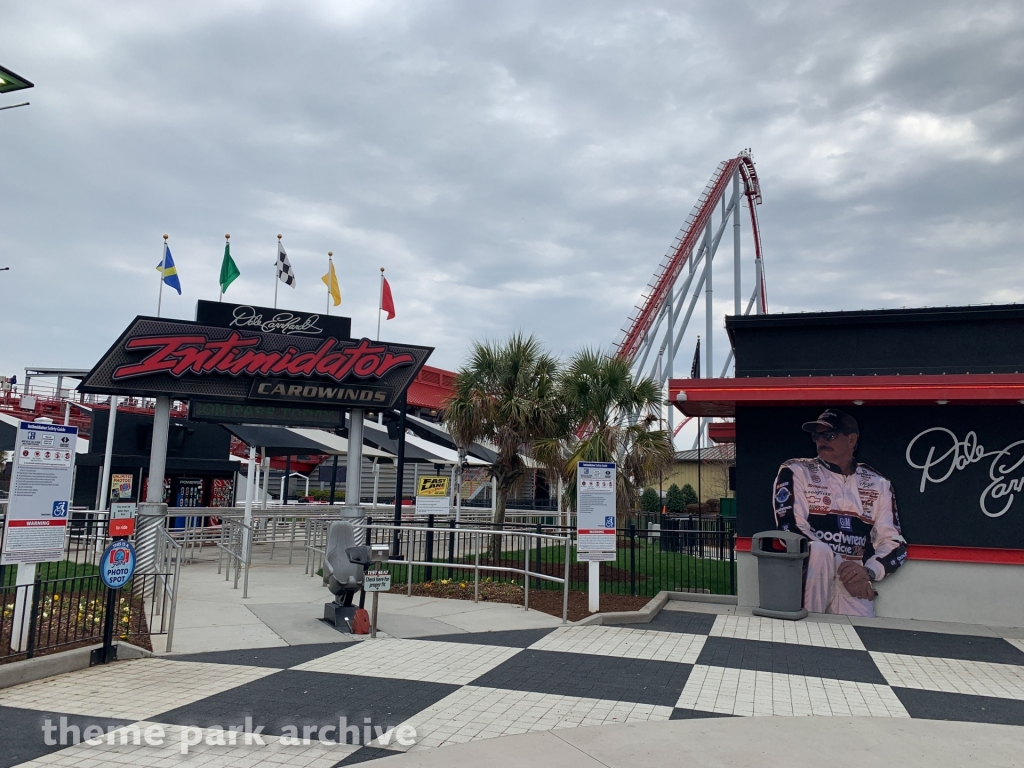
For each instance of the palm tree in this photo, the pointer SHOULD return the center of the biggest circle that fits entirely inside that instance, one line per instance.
(612, 416)
(506, 394)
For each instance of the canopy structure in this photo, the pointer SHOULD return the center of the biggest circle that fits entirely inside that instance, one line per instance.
(721, 397)
(292, 441)
(436, 433)
(417, 450)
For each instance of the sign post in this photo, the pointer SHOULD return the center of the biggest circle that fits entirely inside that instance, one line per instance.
(595, 521)
(375, 582)
(37, 512)
(116, 569)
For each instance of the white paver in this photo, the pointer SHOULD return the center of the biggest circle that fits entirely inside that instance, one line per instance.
(455, 663)
(473, 713)
(624, 642)
(133, 690)
(977, 678)
(816, 633)
(750, 693)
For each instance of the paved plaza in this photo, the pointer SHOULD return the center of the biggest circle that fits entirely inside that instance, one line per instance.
(691, 662)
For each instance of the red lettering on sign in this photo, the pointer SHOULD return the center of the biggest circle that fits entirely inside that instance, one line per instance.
(236, 355)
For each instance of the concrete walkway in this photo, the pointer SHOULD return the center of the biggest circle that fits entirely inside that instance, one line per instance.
(284, 607)
(852, 742)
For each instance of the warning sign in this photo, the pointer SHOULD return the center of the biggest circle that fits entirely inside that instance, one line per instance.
(432, 495)
(37, 514)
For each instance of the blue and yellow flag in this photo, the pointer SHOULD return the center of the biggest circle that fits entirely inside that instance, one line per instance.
(169, 271)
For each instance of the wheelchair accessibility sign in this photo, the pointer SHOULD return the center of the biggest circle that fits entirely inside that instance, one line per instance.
(118, 564)
(60, 509)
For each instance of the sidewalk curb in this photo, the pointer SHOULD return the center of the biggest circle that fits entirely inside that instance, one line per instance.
(646, 614)
(28, 670)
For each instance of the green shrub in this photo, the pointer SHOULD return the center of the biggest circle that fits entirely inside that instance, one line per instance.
(650, 501)
(674, 499)
(689, 495)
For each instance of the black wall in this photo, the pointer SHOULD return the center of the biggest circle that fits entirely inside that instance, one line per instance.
(883, 342)
(945, 513)
(133, 436)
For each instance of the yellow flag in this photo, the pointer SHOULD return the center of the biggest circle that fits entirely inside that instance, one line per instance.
(331, 281)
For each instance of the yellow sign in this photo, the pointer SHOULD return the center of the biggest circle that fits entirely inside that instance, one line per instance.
(432, 486)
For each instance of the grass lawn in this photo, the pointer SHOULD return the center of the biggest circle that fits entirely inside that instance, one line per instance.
(63, 569)
(655, 570)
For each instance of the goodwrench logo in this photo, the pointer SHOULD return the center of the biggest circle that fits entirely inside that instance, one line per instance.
(939, 453)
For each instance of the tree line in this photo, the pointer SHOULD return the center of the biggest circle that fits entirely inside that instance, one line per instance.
(534, 408)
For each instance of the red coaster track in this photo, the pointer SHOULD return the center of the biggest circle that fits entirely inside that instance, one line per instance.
(688, 239)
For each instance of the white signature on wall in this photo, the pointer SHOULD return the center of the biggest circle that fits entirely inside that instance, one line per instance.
(283, 322)
(938, 453)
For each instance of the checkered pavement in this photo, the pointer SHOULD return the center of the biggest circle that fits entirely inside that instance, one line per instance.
(460, 688)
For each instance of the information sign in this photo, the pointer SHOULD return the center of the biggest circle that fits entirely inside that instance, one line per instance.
(377, 581)
(595, 511)
(432, 495)
(37, 513)
(118, 564)
(122, 519)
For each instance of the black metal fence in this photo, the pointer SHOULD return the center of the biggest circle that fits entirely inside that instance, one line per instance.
(66, 605)
(683, 554)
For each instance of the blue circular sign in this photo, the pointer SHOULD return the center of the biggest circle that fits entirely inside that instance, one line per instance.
(118, 564)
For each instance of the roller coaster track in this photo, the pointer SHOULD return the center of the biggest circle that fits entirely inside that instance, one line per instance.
(658, 290)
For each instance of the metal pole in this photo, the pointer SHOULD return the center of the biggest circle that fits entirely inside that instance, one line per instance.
(373, 616)
(250, 476)
(334, 477)
(565, 583)
(527, 548)
(376, 480)
(160, 292)
(108, 456)
(287, 479)
(399, 482)
(668, 368)
(737, 276)
(353, 474)
(709, 308)
(153, 513)
(476, 568)
(158, 450)
(266, 477)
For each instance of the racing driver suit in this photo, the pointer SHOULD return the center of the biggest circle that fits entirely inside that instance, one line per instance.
(845, 517)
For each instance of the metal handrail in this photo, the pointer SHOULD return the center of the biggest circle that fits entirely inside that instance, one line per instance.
(476, 534)
(235, 532)
(168, 556)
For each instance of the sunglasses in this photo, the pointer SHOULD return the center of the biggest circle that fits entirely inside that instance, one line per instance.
(825, 437)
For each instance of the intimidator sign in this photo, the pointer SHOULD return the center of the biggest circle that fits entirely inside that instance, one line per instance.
(187, 359)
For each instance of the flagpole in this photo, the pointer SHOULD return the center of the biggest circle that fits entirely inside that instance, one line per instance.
(380, 300)
(227, 240)
(330, 273)
(163, 266)
(276, 262)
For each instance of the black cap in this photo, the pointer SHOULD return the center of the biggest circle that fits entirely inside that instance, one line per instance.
(835, 419)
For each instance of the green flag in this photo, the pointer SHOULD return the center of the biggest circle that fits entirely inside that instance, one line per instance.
(228, 270)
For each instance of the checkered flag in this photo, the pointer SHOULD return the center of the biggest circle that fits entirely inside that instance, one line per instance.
(284, 267)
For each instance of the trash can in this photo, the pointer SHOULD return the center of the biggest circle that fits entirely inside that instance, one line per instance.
(780, 574)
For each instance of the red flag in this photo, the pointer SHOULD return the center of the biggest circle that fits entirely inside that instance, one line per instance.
(386, 302)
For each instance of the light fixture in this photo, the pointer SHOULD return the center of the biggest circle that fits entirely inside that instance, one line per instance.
(942, 402)
(12, 82)
(858, 402)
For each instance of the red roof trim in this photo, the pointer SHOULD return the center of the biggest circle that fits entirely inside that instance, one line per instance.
(719, 397)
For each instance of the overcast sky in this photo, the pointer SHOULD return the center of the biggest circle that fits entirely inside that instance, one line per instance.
(517, 165)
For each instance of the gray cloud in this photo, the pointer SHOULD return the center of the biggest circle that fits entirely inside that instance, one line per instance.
(513, 165)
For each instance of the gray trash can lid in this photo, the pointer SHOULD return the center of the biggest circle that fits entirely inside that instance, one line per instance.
(796, 545)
